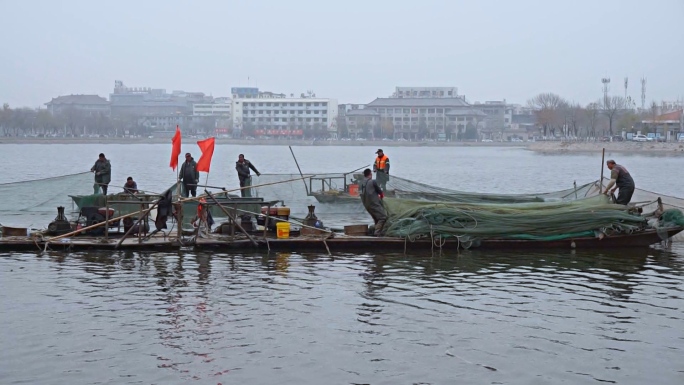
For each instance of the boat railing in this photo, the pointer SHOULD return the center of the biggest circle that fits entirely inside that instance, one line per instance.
(329, 183)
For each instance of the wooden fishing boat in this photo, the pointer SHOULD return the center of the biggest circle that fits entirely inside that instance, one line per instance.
(340, 243)
(369, 244)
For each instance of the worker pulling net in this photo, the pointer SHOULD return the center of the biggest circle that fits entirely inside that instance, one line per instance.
(472, 223)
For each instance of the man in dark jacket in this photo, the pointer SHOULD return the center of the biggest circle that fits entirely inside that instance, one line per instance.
(620, 177)
(130, 186)
(189, 176)
(371, 196)
(243, 166)
(103, 174)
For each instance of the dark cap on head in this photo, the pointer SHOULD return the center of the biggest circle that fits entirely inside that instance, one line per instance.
(610, 161)
(102, 155)
(187, 154)
(379, 150)
(129, 178)
(366, 172)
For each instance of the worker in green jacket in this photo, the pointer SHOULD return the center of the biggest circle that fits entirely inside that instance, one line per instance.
(371, 197)
(103, 174)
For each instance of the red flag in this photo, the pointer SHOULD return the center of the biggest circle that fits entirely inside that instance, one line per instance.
(175, 148)
(207, 148)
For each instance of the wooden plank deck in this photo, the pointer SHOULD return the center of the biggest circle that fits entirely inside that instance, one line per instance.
(87, 243)
(337, 243)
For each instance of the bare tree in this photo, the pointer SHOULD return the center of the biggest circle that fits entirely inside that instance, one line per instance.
(611, 106)
(547, 108)
(573, 118)
(591, 115)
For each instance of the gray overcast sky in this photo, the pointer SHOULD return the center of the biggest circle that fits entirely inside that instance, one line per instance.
(350, 50)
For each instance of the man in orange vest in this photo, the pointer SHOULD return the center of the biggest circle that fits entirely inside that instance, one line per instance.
(381, 168)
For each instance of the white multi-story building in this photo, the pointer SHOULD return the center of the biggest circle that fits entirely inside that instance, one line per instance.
(284, 114)
(425, 92)
(211, 109)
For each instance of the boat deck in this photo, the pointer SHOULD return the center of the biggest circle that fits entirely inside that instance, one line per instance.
(335, 243)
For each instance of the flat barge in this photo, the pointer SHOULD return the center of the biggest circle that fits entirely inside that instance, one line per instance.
(328, 242)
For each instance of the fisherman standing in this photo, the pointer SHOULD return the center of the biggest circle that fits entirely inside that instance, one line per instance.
(189, 176)
(381, 168)
(103, 174)
(371, 196)
(620, 177)
(243, 166)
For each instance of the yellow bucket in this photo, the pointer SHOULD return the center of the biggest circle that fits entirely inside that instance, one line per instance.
(283, 230)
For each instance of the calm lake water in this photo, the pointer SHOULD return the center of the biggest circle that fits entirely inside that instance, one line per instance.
(287, 318)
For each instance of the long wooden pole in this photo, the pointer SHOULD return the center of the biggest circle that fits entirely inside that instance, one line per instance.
(180, 201)
(136, 224)
(300, 170)
(289, 221)
(368, 165)
(231, 217)
(242, 188)
(88, 228)
(603, 159)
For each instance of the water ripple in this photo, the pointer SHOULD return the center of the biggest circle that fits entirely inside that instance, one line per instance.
(133, 318)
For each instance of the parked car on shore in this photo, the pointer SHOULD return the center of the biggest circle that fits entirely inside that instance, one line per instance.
(641, 138)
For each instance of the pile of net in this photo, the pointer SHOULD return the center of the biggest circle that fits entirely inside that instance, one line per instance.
(528, 221)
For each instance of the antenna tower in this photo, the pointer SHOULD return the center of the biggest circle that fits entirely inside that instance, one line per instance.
(626, 82)
(606, 85)
(643, 93)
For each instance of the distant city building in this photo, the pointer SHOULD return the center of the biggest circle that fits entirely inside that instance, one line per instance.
(496, 114)
(345, 108)
(211, 109)
(92, 104)
(244, 92)
(361, 122)
(425, 92)
(280, 116)
(222, 100)
(144, 101)
(254, 93)
(669, 125)
(164, 125)
(415, 118)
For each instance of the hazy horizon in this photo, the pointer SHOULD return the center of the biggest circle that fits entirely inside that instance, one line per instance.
(353, 51)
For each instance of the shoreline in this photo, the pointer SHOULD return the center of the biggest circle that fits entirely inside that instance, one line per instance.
(651, 148)
(555, 147)
(263, 142)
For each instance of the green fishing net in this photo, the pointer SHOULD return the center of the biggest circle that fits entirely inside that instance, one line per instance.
(534, 221)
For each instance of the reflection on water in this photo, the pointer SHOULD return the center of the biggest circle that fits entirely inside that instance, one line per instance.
(475, 317)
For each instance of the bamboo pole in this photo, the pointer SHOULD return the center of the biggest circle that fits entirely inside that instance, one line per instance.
(289, 221)
(144, 214)
(231, 217)
(183, 200)
(300, 170)
(603, 159)
(88, 228)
